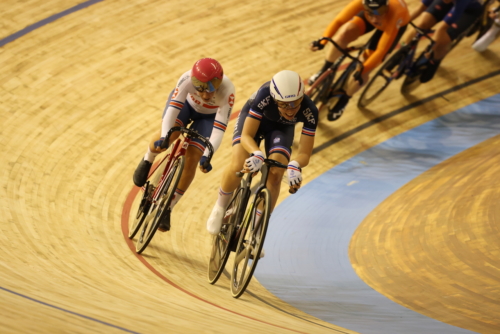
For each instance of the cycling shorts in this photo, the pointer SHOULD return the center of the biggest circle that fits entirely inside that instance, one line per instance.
(278, 137)
(202, 123)
(439, 9)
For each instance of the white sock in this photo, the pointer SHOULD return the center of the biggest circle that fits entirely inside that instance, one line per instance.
(177, 197)
(150, 156)
(224, 198)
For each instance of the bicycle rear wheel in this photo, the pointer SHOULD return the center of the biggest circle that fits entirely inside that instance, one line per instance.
(142, 211)
(381, 80)
(250, 243)
(167, 192)
(221, 247)
(319, 90)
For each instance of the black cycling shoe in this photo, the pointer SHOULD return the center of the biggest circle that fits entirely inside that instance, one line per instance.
(141, 173)
(429, 71)
(165, 222)
(338, 109)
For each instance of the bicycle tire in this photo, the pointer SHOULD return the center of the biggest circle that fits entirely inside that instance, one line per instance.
(153, 221)
(221, 246)
(250, 241)
(142, 211)
(389, 67)
(318, 92)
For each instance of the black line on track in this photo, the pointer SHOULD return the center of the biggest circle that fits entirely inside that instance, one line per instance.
(401, 110)
(48, 20)
(67, 311)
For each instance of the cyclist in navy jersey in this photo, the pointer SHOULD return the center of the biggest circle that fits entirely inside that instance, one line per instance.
(270, 114)
(450, 18)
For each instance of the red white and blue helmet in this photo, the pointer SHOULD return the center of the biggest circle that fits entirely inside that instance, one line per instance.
(206, 75)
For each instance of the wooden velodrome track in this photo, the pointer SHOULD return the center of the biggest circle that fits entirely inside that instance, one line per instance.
(79, 99)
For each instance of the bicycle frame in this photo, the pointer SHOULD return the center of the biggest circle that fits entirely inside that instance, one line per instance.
(179, 148)
(408, 63)
(324, 93)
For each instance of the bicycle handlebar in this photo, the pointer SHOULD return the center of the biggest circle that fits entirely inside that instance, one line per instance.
(421, 32)
(272, 163)
(345, 52)
(193, 134)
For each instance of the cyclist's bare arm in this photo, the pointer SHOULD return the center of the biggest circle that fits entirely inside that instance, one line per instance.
(248, 133)
(306, 145)
(346, 14)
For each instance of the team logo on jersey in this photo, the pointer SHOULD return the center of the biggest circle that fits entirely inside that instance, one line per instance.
(176, 92)
(276, 140)
(262, 104)
(309, 115)
(230, 100)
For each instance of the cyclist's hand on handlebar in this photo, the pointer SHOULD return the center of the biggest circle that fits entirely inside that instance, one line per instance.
(294, 174)
(205, 166)
(157, 146)
(293, 190)
(316, 45)
(254, 163)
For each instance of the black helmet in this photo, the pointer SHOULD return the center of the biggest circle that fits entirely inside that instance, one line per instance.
(375, 4)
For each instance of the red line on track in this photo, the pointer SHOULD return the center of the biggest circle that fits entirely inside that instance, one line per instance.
(125, 219)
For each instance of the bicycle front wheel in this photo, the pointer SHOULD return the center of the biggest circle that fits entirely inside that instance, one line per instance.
(166, 193)
(221, 247)
(252, 235)
(381, 80)
(142, 211)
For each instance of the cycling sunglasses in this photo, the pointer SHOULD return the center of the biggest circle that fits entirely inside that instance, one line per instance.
(376, 12)
(289, 104)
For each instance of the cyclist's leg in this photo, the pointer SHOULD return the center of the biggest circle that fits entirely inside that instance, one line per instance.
(229, 180)
(203, 124)
(278, 142)
(444, 36)
(142, 171)
(436, 11)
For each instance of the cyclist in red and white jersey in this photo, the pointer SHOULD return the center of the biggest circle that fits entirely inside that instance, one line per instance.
(204, 98)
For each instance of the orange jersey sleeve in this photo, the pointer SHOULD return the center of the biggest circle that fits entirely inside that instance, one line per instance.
(349, 11)
(397, 17)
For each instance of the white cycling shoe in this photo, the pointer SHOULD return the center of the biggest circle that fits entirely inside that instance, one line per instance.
(214, 222)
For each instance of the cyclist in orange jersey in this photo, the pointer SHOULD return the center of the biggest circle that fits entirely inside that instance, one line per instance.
(387, 17)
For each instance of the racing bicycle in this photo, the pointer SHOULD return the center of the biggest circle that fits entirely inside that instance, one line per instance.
(241, 231)
(161, 185)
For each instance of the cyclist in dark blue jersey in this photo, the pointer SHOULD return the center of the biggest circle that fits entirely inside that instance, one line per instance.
(451, 18)
(270, 114)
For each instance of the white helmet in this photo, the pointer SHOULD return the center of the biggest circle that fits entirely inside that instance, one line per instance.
(287, 86)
